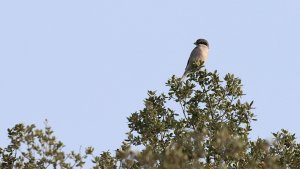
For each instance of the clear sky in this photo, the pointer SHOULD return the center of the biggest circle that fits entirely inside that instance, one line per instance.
(87, 65)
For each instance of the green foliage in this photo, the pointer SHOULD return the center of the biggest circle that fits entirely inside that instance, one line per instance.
(34, 148)
(208, 127)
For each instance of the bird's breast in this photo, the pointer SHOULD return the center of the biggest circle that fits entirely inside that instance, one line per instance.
(203, 52)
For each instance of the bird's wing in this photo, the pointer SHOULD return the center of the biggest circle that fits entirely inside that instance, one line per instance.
(192, 58)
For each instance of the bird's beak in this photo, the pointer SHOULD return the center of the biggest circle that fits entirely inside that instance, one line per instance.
(195, 43)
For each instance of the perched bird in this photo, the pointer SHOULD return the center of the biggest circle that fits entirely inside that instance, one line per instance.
(199, 53)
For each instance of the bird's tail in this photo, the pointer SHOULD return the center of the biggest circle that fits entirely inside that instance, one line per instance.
(183, 77)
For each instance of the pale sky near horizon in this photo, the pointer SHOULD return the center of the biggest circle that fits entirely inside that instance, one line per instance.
(87, 65)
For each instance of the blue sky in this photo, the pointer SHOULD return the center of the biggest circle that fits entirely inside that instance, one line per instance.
(87, 65)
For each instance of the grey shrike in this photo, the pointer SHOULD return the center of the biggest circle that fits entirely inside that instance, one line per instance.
(199, 53)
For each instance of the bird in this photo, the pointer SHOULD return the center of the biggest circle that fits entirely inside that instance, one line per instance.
(199, 53)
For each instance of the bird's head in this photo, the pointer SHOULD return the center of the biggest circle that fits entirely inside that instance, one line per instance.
(202, 41)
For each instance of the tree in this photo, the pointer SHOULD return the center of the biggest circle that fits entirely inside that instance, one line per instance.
(209, 129)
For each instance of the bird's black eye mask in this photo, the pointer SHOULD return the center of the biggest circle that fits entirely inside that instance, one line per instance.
(204, 43)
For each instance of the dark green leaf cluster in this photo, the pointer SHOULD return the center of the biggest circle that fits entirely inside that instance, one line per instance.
(210, 129)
